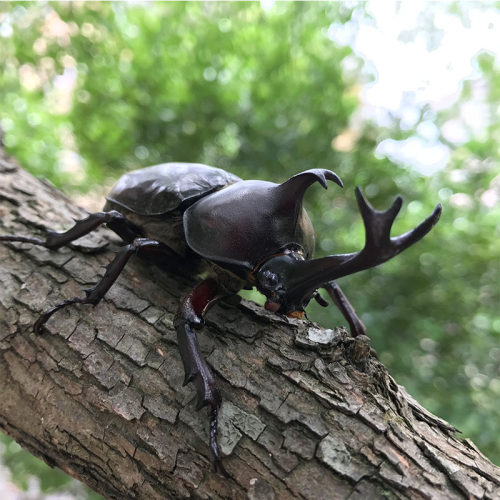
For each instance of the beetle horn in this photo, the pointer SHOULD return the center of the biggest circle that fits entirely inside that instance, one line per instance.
(289, 194)
(379, 247)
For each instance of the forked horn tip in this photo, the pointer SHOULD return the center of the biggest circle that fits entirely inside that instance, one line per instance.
(333, 177)
(422, 229)
(322, 175)
(436, 213)
(362, 201)
(396, 206)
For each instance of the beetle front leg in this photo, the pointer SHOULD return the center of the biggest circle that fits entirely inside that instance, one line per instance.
(355, 324)
(188, 318)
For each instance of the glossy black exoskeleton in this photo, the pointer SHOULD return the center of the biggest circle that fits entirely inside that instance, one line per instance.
(247, 234)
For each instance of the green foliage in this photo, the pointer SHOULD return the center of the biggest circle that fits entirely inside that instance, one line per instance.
(90, 90)
(20, 462)
(23, 465)
(223, 83)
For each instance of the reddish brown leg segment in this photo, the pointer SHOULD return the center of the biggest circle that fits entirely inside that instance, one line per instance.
(188, 318)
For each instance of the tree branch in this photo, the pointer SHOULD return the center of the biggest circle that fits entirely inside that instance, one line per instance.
(307, 412)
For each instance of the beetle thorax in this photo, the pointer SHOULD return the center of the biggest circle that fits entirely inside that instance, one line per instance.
(244, 223)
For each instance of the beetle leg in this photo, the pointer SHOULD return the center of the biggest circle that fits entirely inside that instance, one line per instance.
(54, 240)
(319, 299)
(96, 293)
(188, 318)
(355, 324)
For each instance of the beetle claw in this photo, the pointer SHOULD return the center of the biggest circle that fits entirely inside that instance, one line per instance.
(189, 377)
(219, 468)
(39, 325)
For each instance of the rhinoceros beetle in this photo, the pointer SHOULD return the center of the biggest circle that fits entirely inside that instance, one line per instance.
(247, 234)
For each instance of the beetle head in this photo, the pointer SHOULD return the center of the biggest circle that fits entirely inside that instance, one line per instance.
(289, 281)
(277, 280)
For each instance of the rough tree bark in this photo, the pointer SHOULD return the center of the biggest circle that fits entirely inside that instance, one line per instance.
(307, 413)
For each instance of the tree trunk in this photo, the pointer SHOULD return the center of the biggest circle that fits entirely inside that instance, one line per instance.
(307, 412)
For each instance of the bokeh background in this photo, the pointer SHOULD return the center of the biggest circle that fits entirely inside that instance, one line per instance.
(394, 97)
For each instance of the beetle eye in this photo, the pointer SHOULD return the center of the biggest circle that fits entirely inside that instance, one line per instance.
(269, 280)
